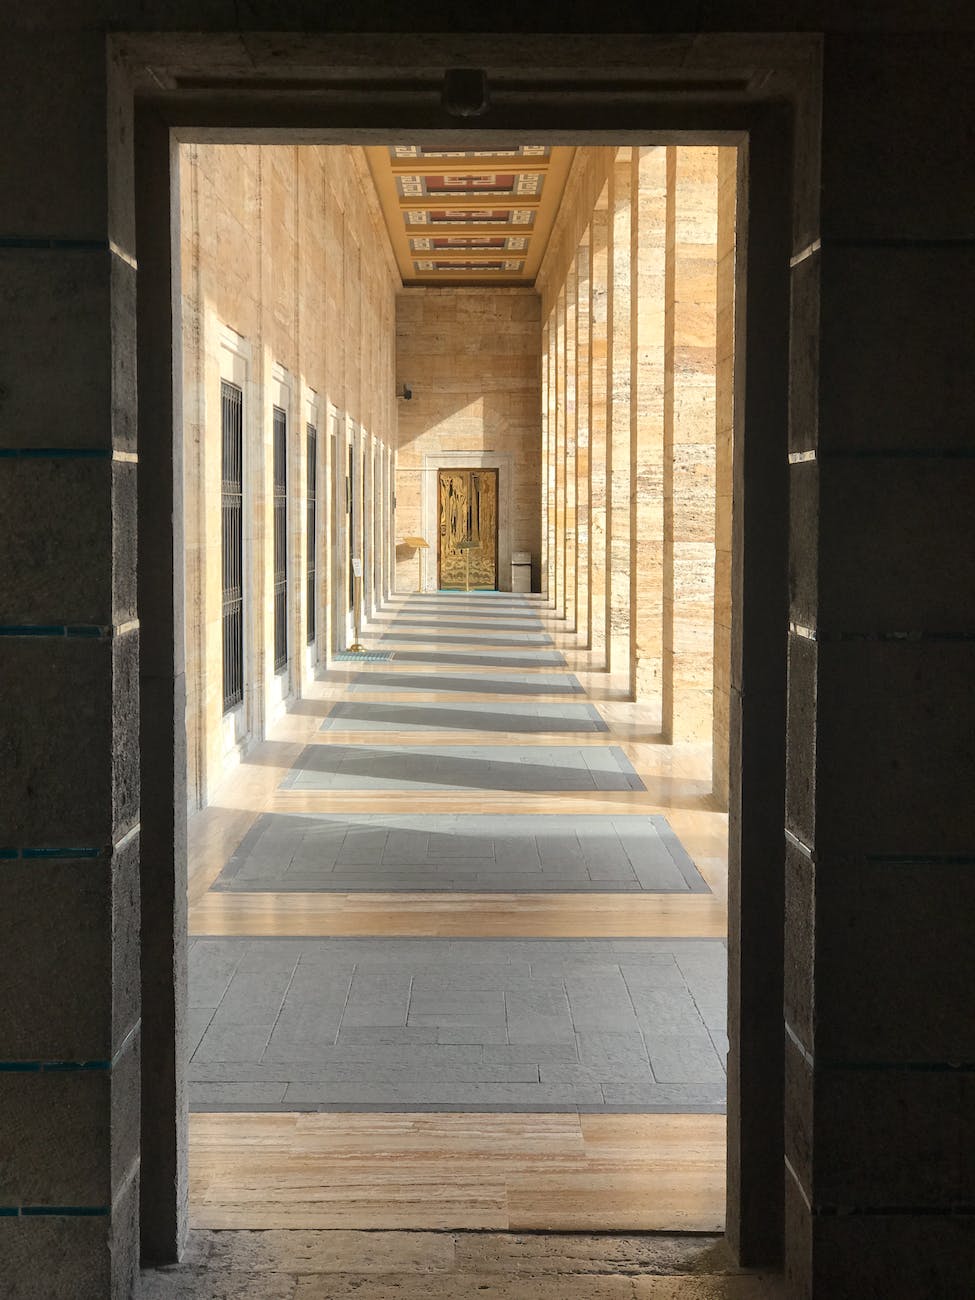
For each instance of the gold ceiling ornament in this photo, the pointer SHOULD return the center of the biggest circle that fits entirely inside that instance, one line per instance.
(470, 216)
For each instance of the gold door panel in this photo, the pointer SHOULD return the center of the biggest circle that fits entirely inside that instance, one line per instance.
(468, 534)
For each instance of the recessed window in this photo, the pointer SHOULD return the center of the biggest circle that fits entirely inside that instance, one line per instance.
(280, 539)
(311, 523)
(232, 503)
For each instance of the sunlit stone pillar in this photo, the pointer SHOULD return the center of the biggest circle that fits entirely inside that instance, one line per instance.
(598, 349)
(648, 259)
(618, 416)
(689, 438)
(545, 457)
(560, 453)
(553, 551)
(571, 434)
(724, 416)
(583, 364)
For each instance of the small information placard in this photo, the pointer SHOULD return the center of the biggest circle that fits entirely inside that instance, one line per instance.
(356, 567)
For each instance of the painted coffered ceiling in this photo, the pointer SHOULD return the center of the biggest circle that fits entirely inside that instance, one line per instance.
(469, 216)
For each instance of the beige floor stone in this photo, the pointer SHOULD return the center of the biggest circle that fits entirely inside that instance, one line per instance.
(451, 1266)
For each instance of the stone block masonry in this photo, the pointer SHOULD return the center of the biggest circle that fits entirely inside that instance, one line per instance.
(288, 293)
(471, 357)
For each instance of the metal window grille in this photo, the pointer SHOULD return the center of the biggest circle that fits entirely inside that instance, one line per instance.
(311, 523)
(280, 539)
(232, 519)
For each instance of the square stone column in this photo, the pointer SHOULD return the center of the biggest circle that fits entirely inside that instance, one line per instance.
(583, 366)
(70, 1019)
(560, 426)
(546, 455)
(689, 436)
(599, 277)
(571, 437)
(618, 415)
(880, 1035)
(648, 192)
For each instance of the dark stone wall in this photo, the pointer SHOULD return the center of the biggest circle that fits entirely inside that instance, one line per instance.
(879, 960)
(880, 1049)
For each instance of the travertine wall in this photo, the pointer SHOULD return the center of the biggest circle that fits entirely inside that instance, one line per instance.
(471, 358)
(288, 291)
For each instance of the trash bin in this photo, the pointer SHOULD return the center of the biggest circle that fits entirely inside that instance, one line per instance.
(521, 571)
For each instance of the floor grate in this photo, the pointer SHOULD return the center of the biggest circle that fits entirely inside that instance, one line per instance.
(363, 656)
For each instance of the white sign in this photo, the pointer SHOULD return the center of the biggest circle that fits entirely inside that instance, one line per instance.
(356, 567)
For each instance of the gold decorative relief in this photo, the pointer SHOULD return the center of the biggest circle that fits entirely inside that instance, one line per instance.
(468, 531)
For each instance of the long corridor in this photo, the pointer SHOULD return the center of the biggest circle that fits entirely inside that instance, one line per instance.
(457, 947)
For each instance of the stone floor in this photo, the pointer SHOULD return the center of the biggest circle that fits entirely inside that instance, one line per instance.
(483, 659)
(402, 1015)
(450, 638)
(530, 768)
(458, 1025)
(542, 719)
(302, 1265)
(494, 683)
(521, 853)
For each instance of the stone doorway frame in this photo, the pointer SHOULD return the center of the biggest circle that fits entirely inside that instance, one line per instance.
(769, 118)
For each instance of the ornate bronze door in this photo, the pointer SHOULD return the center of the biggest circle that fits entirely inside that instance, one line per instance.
(467, 555)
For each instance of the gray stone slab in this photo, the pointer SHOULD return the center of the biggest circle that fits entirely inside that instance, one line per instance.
(534, 719)
(474, 637)
(378, 999)
(393, 1037)
(484, 658)
(675, 1060)
(233, 1042)
(539, 1017)
(303, 1037)
(400, 1056)
(211, 966)
(539, 1053)
(197, 1020)
(602, 1048)
(528, 768)
(252, 999)
(502, 622)
(652, 1097)
(455, 1024)
(483, 604)
(601, 1003)
(498, 1096)
(485, 1034)
(593, 1075)
(669, 1010)
(238, 1096)
(471, 684)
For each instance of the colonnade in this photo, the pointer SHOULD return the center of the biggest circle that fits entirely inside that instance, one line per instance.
(637, 291)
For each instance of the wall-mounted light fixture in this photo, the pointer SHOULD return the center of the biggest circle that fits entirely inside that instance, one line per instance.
(465, 92)
(405, 391)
